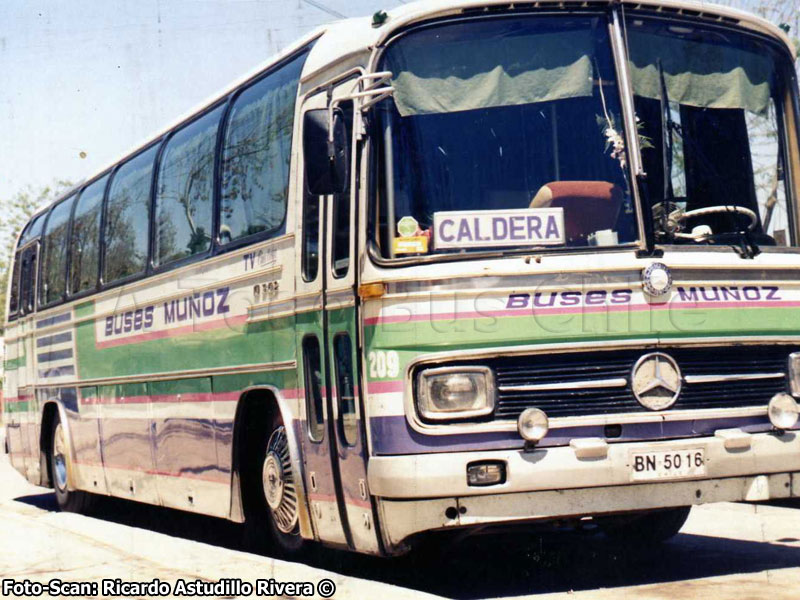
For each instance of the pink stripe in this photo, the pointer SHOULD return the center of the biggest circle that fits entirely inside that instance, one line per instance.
(385, 387)
(288, 393)
(584, 309)
(197, 397)
(175, 331)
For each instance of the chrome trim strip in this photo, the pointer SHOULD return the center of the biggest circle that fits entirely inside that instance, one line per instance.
(570, 385)
(689, 379)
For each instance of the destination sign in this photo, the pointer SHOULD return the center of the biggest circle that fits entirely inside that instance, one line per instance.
(495, 228)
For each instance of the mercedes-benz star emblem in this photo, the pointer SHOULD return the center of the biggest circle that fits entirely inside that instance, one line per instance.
(656, 280)
(656, 381)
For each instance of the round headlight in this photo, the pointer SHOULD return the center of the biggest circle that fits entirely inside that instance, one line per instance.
(533, 424)
(783, 411)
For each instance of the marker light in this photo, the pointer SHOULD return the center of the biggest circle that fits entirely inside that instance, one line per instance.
(783, 411)
(533, 424)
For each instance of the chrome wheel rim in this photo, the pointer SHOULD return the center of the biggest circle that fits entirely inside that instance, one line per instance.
(60, 458)
(277, 477)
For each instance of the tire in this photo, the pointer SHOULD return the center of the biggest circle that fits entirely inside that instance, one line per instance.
(68, 500)
(646, 529)
(279, 487)
(271, 503)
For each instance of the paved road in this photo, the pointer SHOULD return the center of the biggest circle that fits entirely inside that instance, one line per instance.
(726, 551)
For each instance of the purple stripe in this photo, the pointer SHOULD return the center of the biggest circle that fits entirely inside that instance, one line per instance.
(393, 435)
(53, 320)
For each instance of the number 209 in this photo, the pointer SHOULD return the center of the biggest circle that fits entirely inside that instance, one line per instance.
(383, 364)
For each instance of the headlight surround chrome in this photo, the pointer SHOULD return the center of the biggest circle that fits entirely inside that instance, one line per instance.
(448, 393)
(793, 368)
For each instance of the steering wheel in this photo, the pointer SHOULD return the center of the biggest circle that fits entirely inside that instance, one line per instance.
(678, 217)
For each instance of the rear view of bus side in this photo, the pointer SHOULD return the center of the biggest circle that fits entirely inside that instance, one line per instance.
(462, 267)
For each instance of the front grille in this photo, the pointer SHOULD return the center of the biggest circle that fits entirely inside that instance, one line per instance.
(598, 382)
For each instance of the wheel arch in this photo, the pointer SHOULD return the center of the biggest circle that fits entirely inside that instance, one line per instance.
(266, 399)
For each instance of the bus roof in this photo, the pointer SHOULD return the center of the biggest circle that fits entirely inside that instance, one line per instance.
(348, 37)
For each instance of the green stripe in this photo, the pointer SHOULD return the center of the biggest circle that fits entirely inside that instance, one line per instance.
(427, 336)
(233, 383)
(181, 386)
(16, 407)
(262, 342)
(85, 309)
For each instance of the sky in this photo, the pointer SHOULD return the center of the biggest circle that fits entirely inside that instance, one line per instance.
(82, 81)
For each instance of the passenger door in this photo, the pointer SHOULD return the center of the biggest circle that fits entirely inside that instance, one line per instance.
(334, 415)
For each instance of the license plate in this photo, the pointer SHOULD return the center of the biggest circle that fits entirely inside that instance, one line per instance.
(667, 464)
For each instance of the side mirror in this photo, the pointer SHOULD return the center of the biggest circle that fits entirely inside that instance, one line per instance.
(327, 167)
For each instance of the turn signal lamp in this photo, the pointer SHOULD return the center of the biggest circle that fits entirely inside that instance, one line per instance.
(371, 290)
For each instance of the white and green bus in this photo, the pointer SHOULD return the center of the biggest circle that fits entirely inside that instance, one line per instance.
(466, 266)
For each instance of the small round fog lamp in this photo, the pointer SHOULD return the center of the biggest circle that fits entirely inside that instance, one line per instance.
(783, 411)
(533, 424)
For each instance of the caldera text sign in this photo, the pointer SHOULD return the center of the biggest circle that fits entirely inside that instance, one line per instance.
(496, 228)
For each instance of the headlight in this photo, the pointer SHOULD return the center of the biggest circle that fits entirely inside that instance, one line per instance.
(455, 393)
(794, 373)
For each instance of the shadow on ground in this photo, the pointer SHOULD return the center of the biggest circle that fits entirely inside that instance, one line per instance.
(484, 567)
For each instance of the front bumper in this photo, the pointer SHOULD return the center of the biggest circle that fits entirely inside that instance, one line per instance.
(586, 478)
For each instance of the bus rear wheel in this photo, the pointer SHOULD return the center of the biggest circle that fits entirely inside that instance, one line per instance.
(60, 465)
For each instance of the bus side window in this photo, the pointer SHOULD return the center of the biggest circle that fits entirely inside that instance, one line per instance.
(256, 155)
(345, 389)
(53, 283)
(85, 238)
(312, 374)
(127, 224)
(185, 191)
(311, 253)
(13, 301)
(341, 210)
(27, 280)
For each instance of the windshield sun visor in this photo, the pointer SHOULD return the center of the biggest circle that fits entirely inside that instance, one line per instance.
(468, 74)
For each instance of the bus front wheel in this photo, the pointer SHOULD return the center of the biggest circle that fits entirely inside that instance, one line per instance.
(280, 492)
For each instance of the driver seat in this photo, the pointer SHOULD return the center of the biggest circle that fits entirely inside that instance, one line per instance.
(589, 206)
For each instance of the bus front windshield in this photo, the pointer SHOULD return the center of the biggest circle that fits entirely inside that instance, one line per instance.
(711, 104)
(503, 135)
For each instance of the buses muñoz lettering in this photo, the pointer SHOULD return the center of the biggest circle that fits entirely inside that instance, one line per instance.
(465, 266)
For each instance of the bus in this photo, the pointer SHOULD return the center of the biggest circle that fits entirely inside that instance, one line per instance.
(466, 266)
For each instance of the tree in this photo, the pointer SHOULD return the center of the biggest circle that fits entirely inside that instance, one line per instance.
(15, 214)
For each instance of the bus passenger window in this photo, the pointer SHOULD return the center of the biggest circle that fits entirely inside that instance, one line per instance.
(341, 210)
(54, 254)
(311, 252)
(185, 190)
(127, 227)
(257, 153)
(13, 301)
(345, 387)
(27, 280)
(312, 373)
(85, 238)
